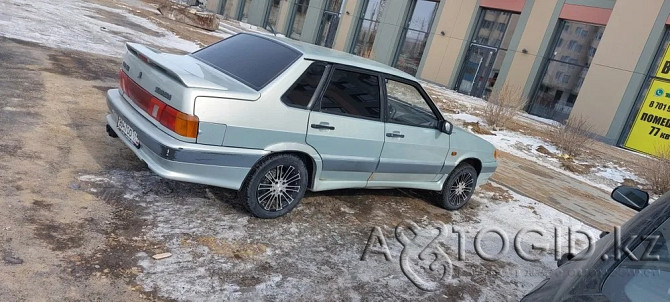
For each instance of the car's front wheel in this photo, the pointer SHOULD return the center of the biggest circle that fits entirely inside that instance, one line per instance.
(459, 186)
(275, 186)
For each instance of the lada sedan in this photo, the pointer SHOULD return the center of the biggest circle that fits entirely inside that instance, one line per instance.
(272, 118)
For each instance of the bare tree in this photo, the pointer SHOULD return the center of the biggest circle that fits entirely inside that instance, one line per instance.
(503, 106)
(572, 136)
(656, 170)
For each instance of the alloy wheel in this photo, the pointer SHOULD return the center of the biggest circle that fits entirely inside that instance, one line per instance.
(461, 189)
(279, 188)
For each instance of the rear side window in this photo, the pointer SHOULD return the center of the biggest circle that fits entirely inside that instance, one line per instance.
(352, 93)
(302, 91)
(252, 60)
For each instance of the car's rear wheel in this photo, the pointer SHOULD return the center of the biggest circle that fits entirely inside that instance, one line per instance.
(459, 186)
(275, 186)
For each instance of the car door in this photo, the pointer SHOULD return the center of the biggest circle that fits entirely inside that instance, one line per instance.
(415, 149)
(346, 128)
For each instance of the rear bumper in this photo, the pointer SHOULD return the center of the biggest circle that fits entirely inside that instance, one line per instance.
(178, 160)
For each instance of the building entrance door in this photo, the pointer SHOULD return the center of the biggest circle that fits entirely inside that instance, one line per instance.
(476, 69)
(488, 48)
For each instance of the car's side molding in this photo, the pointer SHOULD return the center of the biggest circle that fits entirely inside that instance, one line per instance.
(410, 167)
(349, 163)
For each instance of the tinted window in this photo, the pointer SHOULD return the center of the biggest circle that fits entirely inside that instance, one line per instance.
(254, 61)
(352, 93)
(646, 278)
(302, 91)
(407, 106)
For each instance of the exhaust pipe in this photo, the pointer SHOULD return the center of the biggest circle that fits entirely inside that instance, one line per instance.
(111, 132)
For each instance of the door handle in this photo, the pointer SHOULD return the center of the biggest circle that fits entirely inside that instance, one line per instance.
(395, 134)
(322, 126)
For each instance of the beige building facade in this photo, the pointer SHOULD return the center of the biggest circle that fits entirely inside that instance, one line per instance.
(590, 59)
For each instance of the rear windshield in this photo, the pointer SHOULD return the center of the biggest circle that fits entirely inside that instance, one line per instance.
(252, 60)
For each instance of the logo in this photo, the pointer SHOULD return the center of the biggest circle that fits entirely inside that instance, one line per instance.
(422, 259)
(163, 93)
(432, 255)
(660, 92)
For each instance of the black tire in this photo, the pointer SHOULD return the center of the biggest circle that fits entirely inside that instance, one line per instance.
(458, 187)
(275, 186)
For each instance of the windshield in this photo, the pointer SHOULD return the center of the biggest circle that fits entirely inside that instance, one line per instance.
(252, 60)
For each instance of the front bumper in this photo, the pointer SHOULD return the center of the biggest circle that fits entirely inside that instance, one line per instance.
(487, 172)
(178, 160)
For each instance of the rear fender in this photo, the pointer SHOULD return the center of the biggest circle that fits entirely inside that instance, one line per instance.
(301, 148)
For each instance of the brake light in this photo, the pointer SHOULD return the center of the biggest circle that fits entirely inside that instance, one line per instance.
(181, 123)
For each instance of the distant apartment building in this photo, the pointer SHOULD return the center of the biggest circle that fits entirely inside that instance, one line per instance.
(595, 59)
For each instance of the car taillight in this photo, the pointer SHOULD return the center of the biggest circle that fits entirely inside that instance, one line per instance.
(181, 123)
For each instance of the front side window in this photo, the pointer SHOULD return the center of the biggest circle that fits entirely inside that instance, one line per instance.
(407, 106)
(300, 94)
(644, 278)
(352, 93)
(252, 60)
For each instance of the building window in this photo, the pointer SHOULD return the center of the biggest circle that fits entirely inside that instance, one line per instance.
(298, 19)
(592, 51)
(329, 22)
(572, 44)
(556, 94)
(272, 15)
(488, 48)
(244, 11)
(367, 27)
(228, 10)
(416, 32)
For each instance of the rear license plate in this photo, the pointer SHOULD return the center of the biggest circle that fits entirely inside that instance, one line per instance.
(129, 132)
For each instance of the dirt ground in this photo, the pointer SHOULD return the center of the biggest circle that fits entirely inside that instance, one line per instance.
(50, 106)
(83, 216)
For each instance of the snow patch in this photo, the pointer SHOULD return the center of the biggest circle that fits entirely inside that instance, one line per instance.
(78, 25)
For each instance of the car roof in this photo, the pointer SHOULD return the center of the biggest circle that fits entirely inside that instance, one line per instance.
(320, 53)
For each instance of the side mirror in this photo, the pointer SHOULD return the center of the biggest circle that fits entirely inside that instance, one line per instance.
(633, 198)
(446, 127)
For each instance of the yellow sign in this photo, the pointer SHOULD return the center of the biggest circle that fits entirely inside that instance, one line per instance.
(651, 130)
(663, 71)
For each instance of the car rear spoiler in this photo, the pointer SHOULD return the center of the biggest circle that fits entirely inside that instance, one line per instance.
(154, 59)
